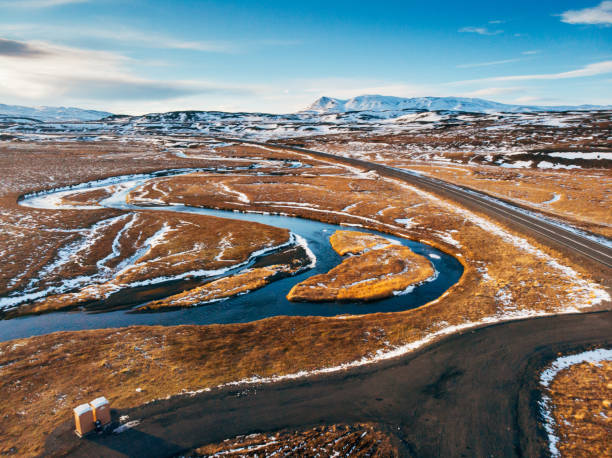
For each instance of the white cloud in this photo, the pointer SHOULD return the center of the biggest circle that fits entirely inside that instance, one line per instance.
(600, 14)
(479, 30)
(48, 73)
(154, 40)
(597, 68)
(487, 64)
(117, 34)
(38, 3)
(531, 52)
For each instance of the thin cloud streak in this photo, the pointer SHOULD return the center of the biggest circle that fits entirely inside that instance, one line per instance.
(49, 71)
(39, 3)
(121, 35)
(480, 30)
(598, 68)
(487, 64)
(140, 38)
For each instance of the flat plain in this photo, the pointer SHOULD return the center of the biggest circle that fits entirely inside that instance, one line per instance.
(70, 251)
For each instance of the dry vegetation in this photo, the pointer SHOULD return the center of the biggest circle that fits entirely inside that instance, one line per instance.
(31, 238)
(580, 196)
(582, 409)
(361, 440)
(513, 276)
(243, 282)
(156, 244)
(379, 270)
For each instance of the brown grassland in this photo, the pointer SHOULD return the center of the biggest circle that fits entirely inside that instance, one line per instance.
(507, 276)
(189, 243)
(579, 196)
(582, 408)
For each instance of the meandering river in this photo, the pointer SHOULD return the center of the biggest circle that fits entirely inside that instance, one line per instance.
(263, 303)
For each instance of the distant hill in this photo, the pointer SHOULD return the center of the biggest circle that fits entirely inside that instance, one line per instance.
(380, 103)
(51, 113)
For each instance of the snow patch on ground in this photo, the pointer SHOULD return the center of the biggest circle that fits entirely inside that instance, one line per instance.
(549, 374)
(554, 198)
(516, 165)
(577, 155)
(301, 241)
(241, 196)
(550, 165)
(406, 222)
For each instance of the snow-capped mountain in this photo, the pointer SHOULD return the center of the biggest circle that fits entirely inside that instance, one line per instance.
(378, 103)
(51, 113)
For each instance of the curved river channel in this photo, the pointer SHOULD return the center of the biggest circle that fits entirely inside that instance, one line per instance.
(262, 303)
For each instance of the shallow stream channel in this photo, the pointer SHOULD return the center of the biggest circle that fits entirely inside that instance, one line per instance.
(262, 303)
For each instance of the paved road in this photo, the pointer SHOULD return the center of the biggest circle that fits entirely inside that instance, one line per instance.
(472, 394)
(507, 211)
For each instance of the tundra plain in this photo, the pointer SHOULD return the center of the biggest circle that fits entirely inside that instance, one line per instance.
(68, 259)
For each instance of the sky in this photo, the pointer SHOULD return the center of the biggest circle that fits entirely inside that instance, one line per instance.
(140, 56)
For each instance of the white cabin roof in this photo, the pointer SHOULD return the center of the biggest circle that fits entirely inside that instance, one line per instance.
(99, 402)
(83, 408)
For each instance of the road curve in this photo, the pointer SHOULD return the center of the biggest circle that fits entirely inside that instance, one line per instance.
(471, 394)
(504, 210)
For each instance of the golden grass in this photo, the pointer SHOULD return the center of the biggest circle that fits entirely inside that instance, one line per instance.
(353, 242)
(384, 270)
(91, 197)
(241, 283)
(582, 408)
(583, 197)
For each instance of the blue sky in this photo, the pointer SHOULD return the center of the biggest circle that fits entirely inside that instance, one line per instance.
(279, 56)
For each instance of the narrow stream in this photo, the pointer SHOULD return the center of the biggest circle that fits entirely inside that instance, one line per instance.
(265, 302)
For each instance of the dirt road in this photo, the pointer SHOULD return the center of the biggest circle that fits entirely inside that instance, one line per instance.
(472, 394)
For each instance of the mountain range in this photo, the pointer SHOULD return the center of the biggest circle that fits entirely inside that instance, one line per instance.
(51, 113)
(378, 103)
(382, 106)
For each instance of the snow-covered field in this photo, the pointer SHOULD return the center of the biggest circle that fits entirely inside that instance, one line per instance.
(264, 126)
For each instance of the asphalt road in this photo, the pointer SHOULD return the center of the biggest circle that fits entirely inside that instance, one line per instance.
(471, 394)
